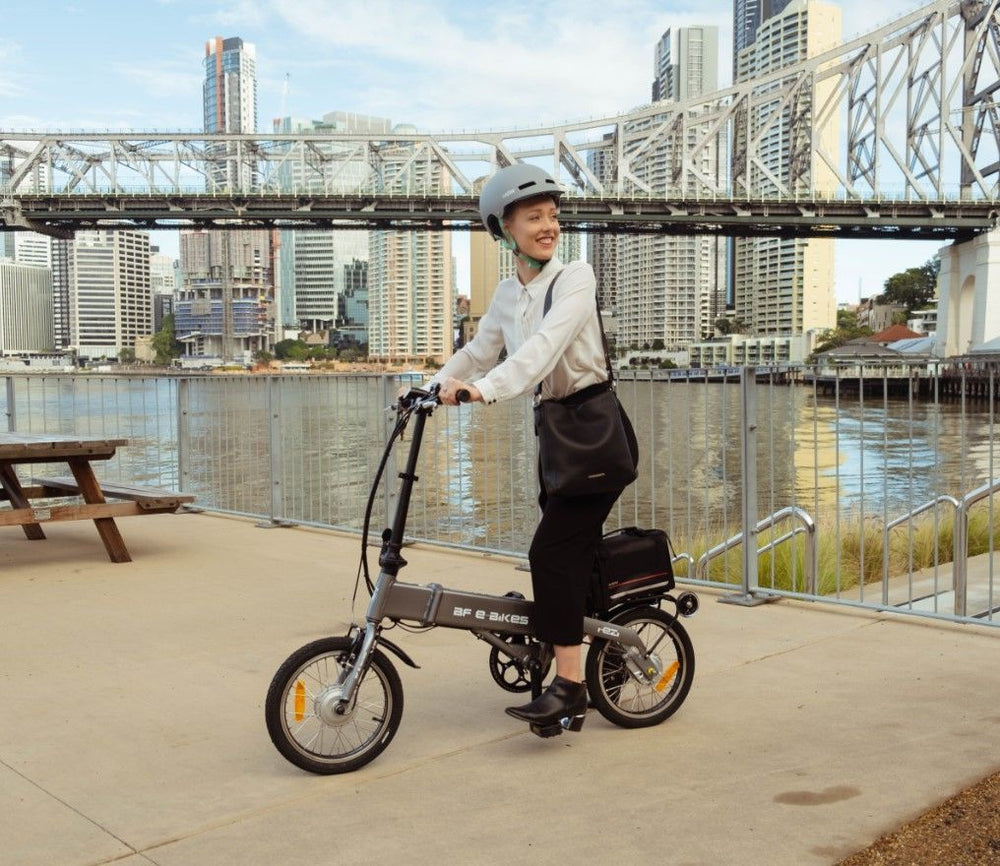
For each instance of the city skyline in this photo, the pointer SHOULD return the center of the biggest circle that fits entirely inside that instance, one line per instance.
(437, 65)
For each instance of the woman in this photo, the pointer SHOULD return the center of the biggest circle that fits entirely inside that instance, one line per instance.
(563, 350)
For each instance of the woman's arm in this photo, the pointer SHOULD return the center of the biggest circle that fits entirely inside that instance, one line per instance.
(479, 355)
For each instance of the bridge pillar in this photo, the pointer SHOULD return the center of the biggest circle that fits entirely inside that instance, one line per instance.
(968, 311)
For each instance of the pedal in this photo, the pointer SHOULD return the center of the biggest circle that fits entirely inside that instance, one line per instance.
(566, 723)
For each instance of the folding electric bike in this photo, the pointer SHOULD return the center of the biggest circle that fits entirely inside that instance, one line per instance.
(336, 703)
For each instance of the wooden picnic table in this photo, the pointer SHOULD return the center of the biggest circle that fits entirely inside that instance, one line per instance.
(79, 453)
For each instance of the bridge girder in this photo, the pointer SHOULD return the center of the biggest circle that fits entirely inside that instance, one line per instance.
(904, 112)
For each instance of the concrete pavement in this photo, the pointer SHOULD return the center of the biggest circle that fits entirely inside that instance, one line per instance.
(131, 721)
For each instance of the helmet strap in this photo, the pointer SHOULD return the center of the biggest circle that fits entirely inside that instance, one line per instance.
(508, 242)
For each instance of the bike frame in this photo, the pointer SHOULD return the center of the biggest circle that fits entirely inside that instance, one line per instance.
(488, 617)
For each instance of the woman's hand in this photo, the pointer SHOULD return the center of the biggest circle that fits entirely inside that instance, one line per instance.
(450, 389)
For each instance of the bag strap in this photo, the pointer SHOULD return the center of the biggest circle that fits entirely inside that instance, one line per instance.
(600, 322)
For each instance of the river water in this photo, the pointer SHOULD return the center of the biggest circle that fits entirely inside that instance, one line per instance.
(304, 448)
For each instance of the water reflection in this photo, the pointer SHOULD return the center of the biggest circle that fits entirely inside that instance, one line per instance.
(305, 448)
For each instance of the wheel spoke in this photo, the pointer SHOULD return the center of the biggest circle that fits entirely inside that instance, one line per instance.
(628, 700)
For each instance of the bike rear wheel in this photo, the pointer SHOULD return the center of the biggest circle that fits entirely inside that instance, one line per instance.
(622, 697)
(312, 728)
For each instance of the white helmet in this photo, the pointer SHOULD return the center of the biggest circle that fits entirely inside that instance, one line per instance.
(510, 185)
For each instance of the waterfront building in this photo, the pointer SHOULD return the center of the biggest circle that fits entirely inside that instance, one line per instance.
(110, 296)
(229, 102)
(41, 250)
(25, 308)
(225, 305)
(53, 254)
(787, 286)
(738, 350)
(411, 275)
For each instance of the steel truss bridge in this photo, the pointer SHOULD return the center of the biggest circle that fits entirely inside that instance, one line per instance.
(892, 134)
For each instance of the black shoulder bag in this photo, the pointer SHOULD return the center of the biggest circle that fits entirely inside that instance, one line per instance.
(585, 441)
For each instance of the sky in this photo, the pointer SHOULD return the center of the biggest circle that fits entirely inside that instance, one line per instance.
(441, 65)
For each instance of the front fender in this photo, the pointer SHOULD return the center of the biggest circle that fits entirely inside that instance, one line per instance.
(396, 651)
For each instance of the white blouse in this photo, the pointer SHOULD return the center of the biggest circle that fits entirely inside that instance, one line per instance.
(563, 350)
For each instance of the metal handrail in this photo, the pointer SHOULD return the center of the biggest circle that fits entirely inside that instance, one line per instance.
(808, 527)
(961, 542)
(905, 518)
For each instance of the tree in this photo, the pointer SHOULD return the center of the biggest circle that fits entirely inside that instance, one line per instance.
(913, 288)
(165, 343)
(842, 335)
(846, 319)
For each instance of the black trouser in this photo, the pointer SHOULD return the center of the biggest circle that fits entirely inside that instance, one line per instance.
(562, 558)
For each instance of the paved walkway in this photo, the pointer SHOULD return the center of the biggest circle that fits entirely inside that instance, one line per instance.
(131, 722)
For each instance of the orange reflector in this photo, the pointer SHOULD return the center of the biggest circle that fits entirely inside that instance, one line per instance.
(300, 701)
(668, 675)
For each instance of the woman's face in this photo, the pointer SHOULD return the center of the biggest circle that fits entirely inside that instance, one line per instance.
(534, 225)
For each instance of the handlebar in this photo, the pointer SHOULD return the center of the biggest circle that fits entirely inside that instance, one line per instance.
(421, 398)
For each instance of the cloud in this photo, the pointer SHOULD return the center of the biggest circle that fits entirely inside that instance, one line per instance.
(163, 80)
(236, 15)
(460, 68)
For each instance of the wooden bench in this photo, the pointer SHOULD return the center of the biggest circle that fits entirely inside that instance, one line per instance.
(148, 500)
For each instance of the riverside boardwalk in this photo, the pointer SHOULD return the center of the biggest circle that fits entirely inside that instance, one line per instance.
(131, 721)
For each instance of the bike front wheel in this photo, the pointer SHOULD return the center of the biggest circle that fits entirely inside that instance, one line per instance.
(620, 695)
(316, 731)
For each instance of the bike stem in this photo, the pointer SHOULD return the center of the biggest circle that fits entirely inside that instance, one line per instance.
(390, 559)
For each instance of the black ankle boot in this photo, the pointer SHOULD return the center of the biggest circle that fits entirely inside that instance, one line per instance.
(562, 706)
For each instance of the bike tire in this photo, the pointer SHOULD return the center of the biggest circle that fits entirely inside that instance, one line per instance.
(354, 739)
(619, 696)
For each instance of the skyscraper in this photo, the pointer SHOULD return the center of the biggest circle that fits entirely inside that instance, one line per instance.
(229, 101)
(664, 72)
(110, 298)
(746, 20)
(696, 71)
(315, 266)
(410, 275)
(25, 308)
(786, 286)
(217, 266)
(664, 288)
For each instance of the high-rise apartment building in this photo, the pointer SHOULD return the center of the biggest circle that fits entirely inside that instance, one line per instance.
(410, 274)
(315, 266)
(664, 72)
(225, 306)
(663, 288)
(696, 71)
(229, 101)
(25, 308)
(110, 296)
(786, 286)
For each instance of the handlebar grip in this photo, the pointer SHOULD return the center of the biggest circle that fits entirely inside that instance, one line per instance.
(462, 395)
